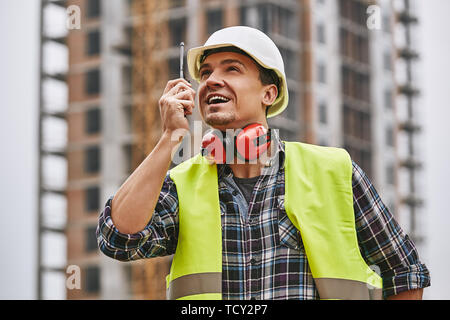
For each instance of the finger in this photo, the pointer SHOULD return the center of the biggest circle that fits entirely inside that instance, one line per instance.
(185, 95)
(173, 83)
(174, 104)
(184, 81)
(184, 106)
(188, 105)
(182, 110)
(179, 87)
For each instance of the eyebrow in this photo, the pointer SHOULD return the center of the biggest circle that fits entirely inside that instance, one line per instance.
(223, 62)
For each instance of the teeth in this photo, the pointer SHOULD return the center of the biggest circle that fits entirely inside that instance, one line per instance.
(218, 98)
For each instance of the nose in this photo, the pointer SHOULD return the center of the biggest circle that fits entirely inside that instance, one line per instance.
(214, 80)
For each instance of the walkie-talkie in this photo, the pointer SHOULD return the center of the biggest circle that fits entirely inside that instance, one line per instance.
(181, 63)
(181, 59)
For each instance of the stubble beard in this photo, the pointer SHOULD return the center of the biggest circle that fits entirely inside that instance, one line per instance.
(220, 118)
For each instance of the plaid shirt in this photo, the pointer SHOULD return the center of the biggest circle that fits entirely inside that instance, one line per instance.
(263, 254)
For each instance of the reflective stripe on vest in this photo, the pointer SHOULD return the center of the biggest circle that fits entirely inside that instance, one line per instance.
(318, 201)
(195, 284)
(346, 289)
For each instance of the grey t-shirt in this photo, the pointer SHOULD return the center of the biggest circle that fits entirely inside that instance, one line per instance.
(246, 186)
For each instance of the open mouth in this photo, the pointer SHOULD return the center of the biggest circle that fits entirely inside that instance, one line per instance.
(217, 100)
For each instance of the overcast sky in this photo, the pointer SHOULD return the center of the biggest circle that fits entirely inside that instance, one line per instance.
(435, 51)
(18, 128)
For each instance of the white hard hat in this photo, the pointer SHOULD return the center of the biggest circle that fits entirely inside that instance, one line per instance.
(257, 45)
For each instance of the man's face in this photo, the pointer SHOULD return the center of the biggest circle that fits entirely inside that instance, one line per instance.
(230, 93)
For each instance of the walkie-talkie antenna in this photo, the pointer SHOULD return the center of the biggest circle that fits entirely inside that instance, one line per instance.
(181, 59)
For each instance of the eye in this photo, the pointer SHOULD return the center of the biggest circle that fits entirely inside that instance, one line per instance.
(233, 68)
(204, 73)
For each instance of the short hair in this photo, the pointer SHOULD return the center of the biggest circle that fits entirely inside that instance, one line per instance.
(266, 76)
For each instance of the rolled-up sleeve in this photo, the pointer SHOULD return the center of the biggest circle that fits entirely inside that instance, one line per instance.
(159, 237)
(382, 241)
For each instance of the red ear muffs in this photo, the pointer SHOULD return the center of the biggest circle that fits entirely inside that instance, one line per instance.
(249, 143)
(252, 141)
(213, 145)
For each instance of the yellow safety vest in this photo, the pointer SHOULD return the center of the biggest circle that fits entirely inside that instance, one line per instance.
(318, 201)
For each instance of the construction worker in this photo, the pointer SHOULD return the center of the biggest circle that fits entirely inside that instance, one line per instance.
(290, 220)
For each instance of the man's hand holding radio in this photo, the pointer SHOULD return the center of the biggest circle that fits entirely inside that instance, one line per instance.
(178, 100)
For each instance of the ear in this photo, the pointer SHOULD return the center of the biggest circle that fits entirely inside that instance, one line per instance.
(270, 93)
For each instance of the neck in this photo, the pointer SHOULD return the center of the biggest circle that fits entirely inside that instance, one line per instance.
(240, 124)
(250, 170)
(246, 170)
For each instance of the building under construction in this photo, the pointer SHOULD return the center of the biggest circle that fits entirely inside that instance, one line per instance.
(351, 85)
